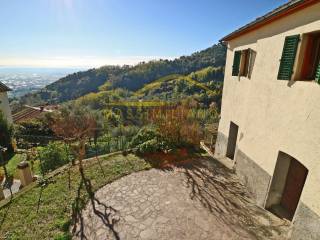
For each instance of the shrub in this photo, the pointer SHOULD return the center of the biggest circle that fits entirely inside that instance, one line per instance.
(176, 125)
(111, 119)
(121, 130)
(149, 139)
(54, 155)
(35, 131)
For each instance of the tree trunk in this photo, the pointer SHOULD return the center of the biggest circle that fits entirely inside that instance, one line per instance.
(7, 178)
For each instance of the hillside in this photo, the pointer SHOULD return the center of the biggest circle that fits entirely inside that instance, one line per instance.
(144, 73)
(131, 78)
(72, 86)
(203, 86)
(203, 79)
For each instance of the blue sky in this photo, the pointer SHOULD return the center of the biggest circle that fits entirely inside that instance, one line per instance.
(81, 33)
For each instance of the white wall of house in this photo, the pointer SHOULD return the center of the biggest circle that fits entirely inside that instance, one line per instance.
(275, 115)
(5, 107)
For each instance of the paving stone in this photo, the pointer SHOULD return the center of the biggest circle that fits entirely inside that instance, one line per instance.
(195, 202)
(148, 221)
(162, 219)
(147, 234)
(130, 219)
(142, 227)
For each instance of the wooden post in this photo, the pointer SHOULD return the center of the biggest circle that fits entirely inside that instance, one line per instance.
(25, 173)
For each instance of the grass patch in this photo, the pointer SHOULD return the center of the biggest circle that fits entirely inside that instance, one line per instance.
(28, 218)
(13, 163)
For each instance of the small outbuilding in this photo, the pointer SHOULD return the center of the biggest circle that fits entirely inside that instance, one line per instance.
(4, 102)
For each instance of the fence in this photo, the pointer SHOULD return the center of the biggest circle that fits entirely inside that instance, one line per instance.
(107, 145)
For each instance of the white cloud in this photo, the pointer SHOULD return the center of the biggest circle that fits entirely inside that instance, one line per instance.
(83, 62)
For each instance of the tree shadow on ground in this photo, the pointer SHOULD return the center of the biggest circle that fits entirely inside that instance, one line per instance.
(106, 214)
(219, 190)
(43, 184)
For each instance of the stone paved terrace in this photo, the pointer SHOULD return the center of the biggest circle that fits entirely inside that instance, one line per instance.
(198, 200)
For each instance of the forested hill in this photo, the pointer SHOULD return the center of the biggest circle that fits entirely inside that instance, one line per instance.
(128, 77)
(144, 73)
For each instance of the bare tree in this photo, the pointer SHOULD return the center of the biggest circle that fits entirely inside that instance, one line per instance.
(76, 127)
(176, 125)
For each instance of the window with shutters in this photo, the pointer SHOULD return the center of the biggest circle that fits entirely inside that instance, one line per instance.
(242, 63)
(309, 62)
(288, 57)
(236, 63)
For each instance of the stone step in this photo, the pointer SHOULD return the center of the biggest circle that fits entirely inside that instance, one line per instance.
(227, 162)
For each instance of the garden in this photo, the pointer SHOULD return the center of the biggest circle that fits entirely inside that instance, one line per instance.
(75, 151)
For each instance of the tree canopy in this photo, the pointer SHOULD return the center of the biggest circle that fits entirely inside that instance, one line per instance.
(131, 78)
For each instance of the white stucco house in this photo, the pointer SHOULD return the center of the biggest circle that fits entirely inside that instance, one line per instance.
(270, 117)
(4, 102)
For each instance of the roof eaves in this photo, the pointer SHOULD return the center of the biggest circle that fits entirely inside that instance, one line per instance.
(291, 6)
(4, 88)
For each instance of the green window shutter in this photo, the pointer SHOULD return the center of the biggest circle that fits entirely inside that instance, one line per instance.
(236, 63)
(318, 74)
(288, 57)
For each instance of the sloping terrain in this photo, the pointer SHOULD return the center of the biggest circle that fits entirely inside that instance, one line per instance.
(131, 78)
(202, 84)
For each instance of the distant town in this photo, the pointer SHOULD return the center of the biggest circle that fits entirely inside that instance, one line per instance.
(26, 80)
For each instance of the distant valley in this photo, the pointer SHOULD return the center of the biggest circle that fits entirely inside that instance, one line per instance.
(28, 80)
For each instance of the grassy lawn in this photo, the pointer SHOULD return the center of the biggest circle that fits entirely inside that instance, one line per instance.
(14, 161)
(12, 165)
(28, 218)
